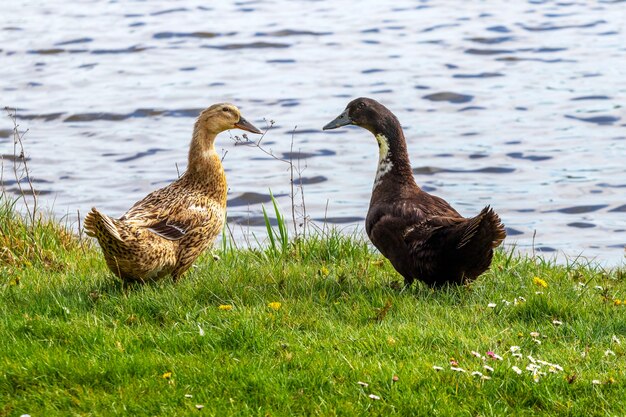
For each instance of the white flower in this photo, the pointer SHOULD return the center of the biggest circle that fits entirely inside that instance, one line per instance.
(476, 373)
(515, 349)
(506, 302)
(532, 367)
(596, 382)
(437, 368)
(374, 397)
(363, 384)
(615, 339)
(582, 284)
(199, 406)
(536, 377)
(485, 377)
(517, 370)
(534, 334)
(188, 396)
(530, 358)
(491, 305)
(200, 331)
(538, 292)
(537, 341)
(599, 288)
(453, 368)
(557, 322)
(609, 352)
(517, 355)
(553, 367)
(487, 367)
(496, 356)
(478, 355)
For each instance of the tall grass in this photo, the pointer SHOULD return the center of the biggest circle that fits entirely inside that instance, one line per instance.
(279, 237)
(315, 328)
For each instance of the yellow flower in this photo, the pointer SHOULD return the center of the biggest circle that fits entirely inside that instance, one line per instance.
(226, 307)
(324, 271)
(167, 375)
(539, 282)
(617, 301)
(274, 306)
(378, 262)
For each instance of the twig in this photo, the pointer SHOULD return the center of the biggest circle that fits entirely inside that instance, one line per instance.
(325, 217)
(80, 232)
(232, 237)
(293, 169)
(293, 205)
(25, 172)
(305, 217)
(246, 141)
(2, 193)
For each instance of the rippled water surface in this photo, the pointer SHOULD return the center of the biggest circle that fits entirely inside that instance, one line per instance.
(514, 104)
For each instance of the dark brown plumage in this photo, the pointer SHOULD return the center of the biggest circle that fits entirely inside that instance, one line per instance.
(421, 234)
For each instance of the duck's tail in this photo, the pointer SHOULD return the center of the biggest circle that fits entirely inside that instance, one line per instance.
(486, 229)
(482, 234)
(101, 226)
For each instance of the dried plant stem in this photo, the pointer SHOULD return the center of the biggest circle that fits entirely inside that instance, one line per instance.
(305, 217)
(292, 196)
(21, 172)
(295, 172)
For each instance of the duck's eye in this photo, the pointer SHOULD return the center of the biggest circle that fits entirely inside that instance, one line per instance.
(225, 109)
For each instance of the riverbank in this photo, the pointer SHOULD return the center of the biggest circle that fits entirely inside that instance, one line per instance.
(310, 328)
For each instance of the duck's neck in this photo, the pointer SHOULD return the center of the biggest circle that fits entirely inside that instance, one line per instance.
(393, 158)
(205, 164)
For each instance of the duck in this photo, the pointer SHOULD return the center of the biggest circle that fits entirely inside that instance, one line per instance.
(166, 231)
(422, 236)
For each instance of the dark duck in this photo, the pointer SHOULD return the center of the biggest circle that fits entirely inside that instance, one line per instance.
(421, 234)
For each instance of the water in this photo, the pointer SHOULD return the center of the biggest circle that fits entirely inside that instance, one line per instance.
(513, 104)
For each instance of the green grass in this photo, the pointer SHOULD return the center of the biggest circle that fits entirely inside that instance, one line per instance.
(73, 341)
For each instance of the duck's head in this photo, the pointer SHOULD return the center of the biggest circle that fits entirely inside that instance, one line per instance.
(225, 116)
(364, 112)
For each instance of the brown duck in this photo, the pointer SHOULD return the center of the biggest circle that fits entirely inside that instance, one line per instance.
(421, 234)
(166, 231)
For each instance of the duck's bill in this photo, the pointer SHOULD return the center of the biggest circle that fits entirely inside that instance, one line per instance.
(342, 120)
(243, 124)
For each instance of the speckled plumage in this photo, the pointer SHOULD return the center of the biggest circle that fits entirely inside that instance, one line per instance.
(168, 229)
(421, 234)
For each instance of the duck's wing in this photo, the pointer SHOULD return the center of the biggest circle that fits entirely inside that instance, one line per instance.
(154, 207)
(172, 215)
(169, 230)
